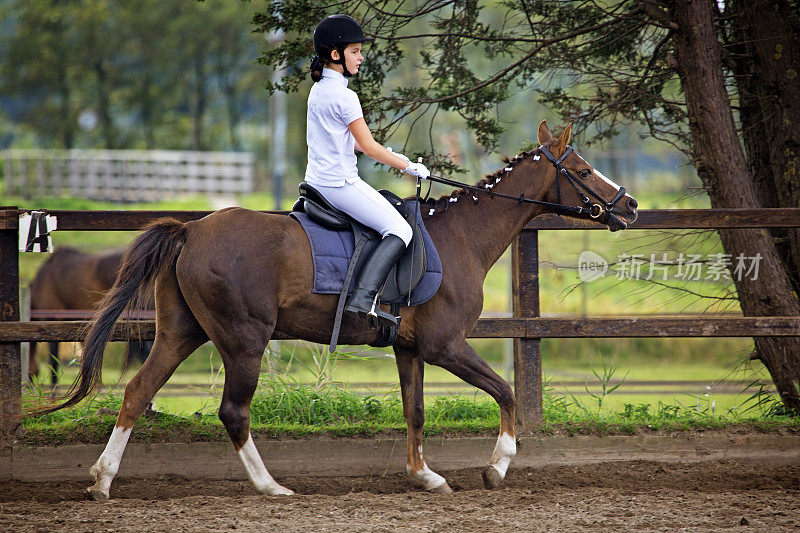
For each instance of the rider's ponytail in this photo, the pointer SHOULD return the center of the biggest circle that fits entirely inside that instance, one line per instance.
(316, 68)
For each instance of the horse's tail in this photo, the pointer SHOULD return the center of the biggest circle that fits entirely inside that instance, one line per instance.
(153, 251)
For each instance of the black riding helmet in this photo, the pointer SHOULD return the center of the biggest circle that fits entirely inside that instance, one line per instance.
(336, 32)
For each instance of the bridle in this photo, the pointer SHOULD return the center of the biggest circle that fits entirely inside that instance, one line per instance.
(593, 210)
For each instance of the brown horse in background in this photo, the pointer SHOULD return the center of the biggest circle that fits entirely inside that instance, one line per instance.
(72, 279)
(237, 276)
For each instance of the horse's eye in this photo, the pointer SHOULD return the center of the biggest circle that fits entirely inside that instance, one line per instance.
(584, 173)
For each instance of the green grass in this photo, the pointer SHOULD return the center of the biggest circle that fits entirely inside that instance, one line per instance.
(201, 376)
(305, 395)
(283, 408)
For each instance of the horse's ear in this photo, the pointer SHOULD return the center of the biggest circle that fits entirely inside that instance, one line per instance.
(544, 133)
(563, 140)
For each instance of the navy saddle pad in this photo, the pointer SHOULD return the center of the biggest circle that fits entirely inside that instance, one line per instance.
(331, 251)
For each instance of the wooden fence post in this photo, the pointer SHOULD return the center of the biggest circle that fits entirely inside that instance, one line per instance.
(10, 363)
(527, 352)
(25, 347)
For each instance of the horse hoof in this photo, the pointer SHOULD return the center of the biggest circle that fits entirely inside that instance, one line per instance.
(97, 494)
(282, 491)
(491, 478)
(442, 489)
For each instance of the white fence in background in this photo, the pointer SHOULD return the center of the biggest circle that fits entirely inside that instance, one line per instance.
(125, 175)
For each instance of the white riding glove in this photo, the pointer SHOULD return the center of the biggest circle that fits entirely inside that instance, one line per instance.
(418, 170)
(398, 154)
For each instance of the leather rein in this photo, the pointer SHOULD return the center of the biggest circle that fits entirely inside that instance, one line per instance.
(593, 210)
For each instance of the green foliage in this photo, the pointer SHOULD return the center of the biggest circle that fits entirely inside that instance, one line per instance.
(595, 64)
(171, 75)
(284, 406)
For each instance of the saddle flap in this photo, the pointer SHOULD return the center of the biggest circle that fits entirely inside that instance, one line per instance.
(410, 268)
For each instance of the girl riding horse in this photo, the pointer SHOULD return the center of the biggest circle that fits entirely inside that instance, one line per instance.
(336, 128)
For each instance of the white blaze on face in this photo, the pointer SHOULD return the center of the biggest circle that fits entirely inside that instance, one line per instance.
(605, 179)
(602, 177)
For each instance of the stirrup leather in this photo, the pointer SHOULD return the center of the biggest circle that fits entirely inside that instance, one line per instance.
(373, 310)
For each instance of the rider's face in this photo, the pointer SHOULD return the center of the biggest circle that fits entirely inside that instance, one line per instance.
(352, 57)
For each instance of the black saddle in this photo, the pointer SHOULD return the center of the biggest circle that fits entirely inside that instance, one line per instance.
(403, 277)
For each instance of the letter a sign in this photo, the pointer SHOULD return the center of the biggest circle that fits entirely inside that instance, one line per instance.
(34, 232)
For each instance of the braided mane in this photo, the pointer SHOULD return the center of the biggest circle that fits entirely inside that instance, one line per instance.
(441, 204)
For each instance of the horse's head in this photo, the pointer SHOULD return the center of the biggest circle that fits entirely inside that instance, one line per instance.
(576, 183)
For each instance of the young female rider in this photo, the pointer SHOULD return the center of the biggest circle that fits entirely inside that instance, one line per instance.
(335, 129)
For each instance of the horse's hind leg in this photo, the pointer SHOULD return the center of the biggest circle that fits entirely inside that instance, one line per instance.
(410, 368)
(55, 362)
(177, 335)
(242, 366)
(460, 359)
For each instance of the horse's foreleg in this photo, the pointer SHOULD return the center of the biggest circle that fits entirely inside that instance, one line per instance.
(460, 359)
(410, 367)
(241, 379)
(33, 361)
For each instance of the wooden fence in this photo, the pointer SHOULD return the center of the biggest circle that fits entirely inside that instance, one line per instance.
(526, 327)
(125, 175)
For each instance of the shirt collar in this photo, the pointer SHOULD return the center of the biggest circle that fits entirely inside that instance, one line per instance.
(335, 76)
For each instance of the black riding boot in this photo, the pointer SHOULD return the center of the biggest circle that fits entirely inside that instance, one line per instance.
(364, 300)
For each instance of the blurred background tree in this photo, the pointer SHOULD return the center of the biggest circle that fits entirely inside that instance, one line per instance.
(131, 74)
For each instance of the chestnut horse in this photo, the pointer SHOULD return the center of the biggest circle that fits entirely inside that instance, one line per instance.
(72, 279)
(237, 276)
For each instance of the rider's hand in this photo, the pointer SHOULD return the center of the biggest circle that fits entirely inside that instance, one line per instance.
(398, 154)
(418, 170)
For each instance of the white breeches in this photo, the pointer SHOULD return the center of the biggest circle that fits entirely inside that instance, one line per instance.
(367, 206)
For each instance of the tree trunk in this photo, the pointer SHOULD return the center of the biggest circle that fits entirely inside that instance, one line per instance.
(227, 83)
(720, 162)
(104, 104)
(766, 63)
(67, 123)
(147, 110)
(199, 102)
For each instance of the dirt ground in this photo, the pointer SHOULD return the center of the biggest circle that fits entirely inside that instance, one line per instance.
(640, 495)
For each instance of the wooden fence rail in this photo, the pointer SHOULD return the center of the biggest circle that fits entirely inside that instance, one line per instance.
(526, 327)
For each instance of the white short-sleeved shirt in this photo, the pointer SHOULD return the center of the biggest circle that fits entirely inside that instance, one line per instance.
(332, 107)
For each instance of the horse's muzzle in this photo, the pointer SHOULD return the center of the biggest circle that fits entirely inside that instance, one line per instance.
(616, 223)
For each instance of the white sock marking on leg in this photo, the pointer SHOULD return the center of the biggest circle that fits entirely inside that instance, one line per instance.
(107, 464)
(262, 481)
(426, 477)
(504, 450)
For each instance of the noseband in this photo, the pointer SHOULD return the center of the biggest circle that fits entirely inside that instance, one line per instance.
(593, 210)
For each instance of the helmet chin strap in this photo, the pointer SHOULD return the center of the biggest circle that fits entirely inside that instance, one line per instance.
(341, 61)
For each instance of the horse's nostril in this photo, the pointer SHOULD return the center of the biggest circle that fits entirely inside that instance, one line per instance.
(633, 204)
